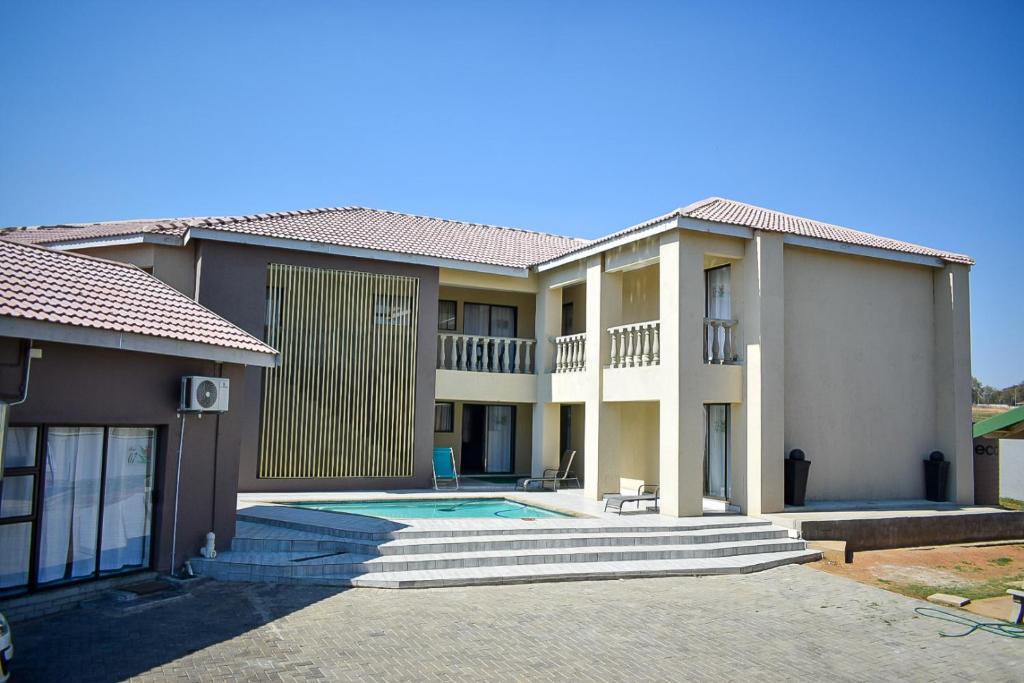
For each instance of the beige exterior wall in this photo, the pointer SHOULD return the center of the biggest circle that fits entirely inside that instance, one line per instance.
(860, 381)
(525, 304)
(523, 436)
(174, 265)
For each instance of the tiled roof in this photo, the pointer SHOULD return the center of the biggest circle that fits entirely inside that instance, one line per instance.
(350, 226)
(728, 211)
(56, 234)
(456, 240)
(72, 289)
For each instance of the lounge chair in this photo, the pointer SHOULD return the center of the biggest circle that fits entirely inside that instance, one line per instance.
(444, 468)
(615, 501)
(554, 476)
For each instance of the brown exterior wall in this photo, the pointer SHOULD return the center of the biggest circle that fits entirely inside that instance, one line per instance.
(80, 385)
(232, 283)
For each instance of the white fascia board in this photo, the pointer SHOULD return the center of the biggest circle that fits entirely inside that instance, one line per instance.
(354, 252)
(94, 242)
(649, 231)
(858, 250)
(42, 330)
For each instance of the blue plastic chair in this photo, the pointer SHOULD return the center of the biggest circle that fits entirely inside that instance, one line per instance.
(444, 468)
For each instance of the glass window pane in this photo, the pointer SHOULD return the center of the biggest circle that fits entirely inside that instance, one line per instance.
(444, 417)
(16, 495)
(20, 447)
(70, 506)
(15, 539)
(127, 501)
(446, 315)
(476, 319)
(717, 451)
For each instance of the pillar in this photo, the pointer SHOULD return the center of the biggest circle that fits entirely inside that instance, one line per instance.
(952, 297)
(601, 420)
(763, 331)
(681, 428)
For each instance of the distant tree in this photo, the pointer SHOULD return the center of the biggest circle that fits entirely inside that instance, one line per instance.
(982, 393)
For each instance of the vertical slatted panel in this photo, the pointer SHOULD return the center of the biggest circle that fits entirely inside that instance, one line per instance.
(342, 402)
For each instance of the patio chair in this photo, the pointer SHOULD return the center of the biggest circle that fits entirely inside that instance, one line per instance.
(555, 476)
(444, 468)
(615, 501)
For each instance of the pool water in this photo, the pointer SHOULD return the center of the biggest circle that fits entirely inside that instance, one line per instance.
(436, 508)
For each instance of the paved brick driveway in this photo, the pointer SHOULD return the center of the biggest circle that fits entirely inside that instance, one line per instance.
(793, 623)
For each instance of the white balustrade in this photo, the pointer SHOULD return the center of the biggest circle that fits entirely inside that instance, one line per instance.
(570, 353)
(479, 353)
(720, 341)
(635, 345)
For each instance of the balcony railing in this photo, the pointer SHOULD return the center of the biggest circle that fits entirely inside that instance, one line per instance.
(478, 353)
(720, 341)
(570, 353)
(636, 344)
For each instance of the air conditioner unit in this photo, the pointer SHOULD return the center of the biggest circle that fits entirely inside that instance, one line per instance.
(204, 394)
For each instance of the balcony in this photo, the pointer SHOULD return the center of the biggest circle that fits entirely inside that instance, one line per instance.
(479, 353)
(720, 346)
(570, 353)
(635, 345)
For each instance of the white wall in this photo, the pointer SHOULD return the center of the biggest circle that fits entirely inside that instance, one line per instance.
(859, 373)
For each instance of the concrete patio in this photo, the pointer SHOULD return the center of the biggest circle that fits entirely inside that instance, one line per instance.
(282, 544)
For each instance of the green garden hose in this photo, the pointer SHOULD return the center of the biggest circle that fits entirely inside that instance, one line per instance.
(998, 628)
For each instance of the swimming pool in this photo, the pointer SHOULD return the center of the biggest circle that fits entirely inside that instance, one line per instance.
(433, 508)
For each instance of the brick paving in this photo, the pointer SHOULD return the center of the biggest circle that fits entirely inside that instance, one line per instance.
(793, 622)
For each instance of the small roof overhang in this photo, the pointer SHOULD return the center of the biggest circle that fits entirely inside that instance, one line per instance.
(1008, 425)
(41, 330)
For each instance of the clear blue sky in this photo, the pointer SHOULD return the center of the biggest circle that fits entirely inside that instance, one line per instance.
(902, 118)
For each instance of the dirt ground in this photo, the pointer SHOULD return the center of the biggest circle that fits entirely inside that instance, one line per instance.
(973, 571)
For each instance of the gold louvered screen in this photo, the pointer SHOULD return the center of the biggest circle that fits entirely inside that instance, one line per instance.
(341, 403)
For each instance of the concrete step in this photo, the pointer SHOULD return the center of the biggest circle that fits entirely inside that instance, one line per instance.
(574, 539)
(254, 540)
(572, 571)
(266, 565)
(357, 527)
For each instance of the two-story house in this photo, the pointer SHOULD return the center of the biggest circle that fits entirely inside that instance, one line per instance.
(693, 350)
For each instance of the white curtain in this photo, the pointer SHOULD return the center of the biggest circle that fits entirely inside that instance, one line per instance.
(476, 319)
(70, 510)
(719, 302)
(127, 512)
(717, 450)
(498, 454)
(20, 449)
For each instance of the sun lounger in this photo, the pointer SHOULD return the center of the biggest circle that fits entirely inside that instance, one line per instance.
(444, 468)
(644, 492)
(553, 476)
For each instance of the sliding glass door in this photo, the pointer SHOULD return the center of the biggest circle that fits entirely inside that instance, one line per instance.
(716, 451)
(75, 502)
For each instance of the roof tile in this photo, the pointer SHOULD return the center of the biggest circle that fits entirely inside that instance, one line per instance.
(72, 289)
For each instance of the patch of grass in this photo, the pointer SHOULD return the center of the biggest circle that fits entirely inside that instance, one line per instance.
(1001, 561)
(980, 590)
(967, 567)
(1012, 503)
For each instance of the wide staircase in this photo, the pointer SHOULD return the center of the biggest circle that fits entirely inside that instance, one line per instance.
(296, 552)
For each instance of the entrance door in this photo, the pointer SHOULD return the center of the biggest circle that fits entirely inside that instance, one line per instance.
(487, 320)
(716, 451)
(488, 439)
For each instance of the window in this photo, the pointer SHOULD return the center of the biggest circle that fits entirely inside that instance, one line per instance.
(444, 417)
(392, 310)
(446, 316)
(567, 318)
(716, 450)
(75, 503)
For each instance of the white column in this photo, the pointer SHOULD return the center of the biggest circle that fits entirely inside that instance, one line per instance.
(765, 378)
(601, 420)
(547, 323)
(953, 378)
(681, 428)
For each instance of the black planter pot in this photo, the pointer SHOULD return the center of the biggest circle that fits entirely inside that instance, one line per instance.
(936, 474)
(796, 480)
